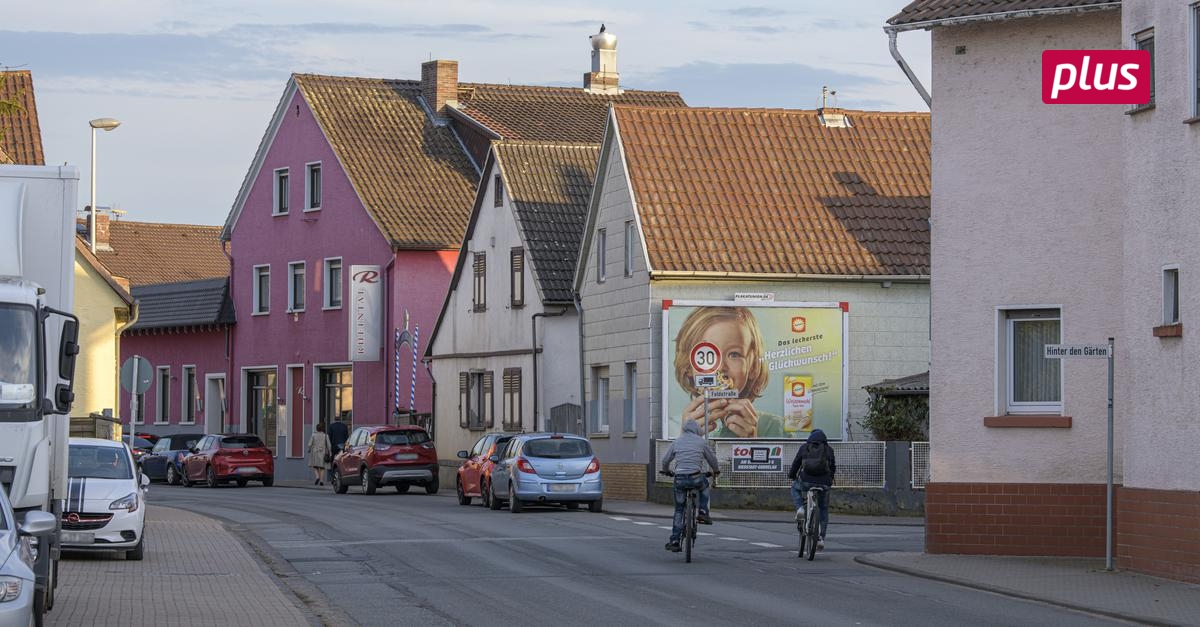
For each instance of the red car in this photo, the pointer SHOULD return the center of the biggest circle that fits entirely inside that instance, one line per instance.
(475, 473)
(237, 457)
(374, 457)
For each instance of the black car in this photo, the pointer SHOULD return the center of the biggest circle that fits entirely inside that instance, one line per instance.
(163, 463)
(141, 447)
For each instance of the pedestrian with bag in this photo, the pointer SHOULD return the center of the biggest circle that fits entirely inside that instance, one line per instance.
(338, 434)
(320, 453)
(813, 465)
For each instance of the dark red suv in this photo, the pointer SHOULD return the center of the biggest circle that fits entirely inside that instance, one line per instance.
(381, 456)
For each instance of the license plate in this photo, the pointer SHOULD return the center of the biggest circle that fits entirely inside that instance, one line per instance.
(563, 487)
(246, 470)
(78, 537)
(403, 457)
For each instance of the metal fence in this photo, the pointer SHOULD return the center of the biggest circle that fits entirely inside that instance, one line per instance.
(859, 464)
(920, 464)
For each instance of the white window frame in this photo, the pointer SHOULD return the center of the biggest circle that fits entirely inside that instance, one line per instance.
(186, 398)
(1170, 294)
(601, 255)
(630, 234)
(293, 266)
(1136, 41)
(601, 391)
(276, 209)
(1006, 406)
(162, 396)
(308, 196)
(327, 296)
(261, 308)
(629, 424)
(1194, 56)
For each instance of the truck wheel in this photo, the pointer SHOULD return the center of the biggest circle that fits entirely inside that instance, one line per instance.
(39, 608)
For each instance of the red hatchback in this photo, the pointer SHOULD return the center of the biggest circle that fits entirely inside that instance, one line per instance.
(218, 459)
(475, 473)
(381, 456)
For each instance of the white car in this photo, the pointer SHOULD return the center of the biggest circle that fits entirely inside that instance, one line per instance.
(106, 500)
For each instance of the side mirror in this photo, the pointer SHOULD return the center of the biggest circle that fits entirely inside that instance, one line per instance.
(494, 459)
(144, 481)
(463, 454)
(68, 349)
(38, 523)
(193, 450)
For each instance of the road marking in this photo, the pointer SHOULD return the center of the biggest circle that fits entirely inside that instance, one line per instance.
(297, 544)
(767, 545)
(665, 527)
(699, 533)
(639, 522)
(618, 518)
(734, 539)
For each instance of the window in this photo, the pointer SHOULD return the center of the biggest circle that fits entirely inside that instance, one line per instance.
(312, 187)
(475, 400)
(601, 254)
(631, 386)
(262, 289)
(191, 395)
(1033, 383)
(261, 405)
(480, 294)
(279, 201)
(337, 396)
(1170, 295)
(630, 237)
(512, 399)
(333, 283)
(516, 282)
(600, 399)
(498, 191)
(1196, 60)
(296, 286)
(162, 410)
(1145, 41)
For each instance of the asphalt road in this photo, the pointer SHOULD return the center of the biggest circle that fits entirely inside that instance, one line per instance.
(414, 559)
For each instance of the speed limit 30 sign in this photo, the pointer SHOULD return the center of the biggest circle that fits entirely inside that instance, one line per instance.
(705, 358)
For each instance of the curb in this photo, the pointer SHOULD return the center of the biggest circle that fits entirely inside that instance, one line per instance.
(868, 560)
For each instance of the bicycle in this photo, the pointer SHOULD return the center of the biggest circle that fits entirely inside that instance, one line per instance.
(691, 508)
(810, 527)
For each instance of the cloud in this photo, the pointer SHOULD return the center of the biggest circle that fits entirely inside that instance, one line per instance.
(761, 30)
(578, 24)
(754, 11)
(360, 28)
(787, 85)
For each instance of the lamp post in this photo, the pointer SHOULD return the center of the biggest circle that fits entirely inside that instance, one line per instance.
(107, 124)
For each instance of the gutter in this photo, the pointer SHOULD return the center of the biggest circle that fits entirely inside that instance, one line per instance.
(135, 311)
(759, 276)
(912, 77)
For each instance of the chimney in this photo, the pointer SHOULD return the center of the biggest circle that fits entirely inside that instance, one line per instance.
(603, 79)
(102, 218)
(439, 86)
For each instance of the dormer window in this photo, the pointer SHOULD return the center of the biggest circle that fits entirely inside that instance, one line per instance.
(498, 191)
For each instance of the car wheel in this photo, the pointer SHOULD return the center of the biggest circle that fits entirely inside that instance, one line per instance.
(596, 506)
(172, 475)
(493, 502)
(368, 484)
(432, 487)
(210, 477)
(463, 499)
(402, 488)
(339, 485)
(268, 482)
(514, 503)
(572, 505)
(242, 482)
(136, 553)
(183, 479)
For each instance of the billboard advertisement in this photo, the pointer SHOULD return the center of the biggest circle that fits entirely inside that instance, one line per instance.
(769, 370)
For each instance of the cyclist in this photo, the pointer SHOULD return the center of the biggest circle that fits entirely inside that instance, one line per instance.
(690, 452)
(814, 465)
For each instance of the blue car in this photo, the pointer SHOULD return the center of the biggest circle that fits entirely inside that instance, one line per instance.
(163, 463)
(547, 468)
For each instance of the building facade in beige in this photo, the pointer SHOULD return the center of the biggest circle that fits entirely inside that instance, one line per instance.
(105, 308)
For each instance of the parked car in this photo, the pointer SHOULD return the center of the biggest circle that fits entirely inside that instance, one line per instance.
(237, 457)
(540, 468)
(17, 591)
(106, 502)
(164, 461)
(475, 472)
(153, 439)
(141, 447)
(375, 457)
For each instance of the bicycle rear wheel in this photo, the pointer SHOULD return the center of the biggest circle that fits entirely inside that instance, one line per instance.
(812, 527)
(803, 533)
(689, 526)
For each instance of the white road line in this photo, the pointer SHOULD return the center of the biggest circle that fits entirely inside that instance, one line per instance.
(699, 533)
(735, 539)
(618, 518)
(639, 522)
(664, 527)
(295, 544)
(767, 545)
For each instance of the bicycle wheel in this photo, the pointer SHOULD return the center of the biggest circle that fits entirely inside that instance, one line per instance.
(803, 533)
(813, 527)
(689, 526)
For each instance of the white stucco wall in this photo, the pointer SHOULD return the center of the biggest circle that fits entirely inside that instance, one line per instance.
(1162, 157)
(1026, 210)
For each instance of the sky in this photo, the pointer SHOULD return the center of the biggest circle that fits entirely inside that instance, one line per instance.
(195, 82)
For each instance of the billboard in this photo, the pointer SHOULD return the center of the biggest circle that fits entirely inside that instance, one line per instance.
(784, 363)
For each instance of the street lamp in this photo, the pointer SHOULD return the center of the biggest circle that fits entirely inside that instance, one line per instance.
(107, 124)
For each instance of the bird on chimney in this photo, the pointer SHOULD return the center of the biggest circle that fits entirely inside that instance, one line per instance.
(602, 28)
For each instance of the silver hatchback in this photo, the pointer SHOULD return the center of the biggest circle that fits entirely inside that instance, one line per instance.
(18, 599)
(547, 468)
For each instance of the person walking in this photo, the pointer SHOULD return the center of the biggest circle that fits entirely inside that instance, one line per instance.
(338, 434)
(319, 454)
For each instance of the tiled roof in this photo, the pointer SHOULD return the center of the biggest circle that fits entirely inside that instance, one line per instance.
(770, 191)
(912, 384)
(927, 10)
(412, 175)
(183, 304)
(22, 136)
(149, 252)
(550, 114)
(550, 185)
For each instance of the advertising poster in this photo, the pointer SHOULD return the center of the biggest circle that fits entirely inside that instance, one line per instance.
(366, 313)
(786, 362)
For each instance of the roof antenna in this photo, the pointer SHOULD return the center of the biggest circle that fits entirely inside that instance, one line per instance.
(825, 93)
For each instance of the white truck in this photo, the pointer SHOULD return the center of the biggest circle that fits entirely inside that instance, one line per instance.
(38, 345)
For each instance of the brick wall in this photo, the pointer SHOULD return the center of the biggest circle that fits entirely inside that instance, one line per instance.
(1159, 533)
(624, 481)
(1015, 519)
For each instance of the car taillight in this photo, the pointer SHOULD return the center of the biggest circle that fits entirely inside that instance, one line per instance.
(524, 466)
(593, 467)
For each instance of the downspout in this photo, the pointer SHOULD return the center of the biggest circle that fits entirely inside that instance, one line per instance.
(135, 310)
(533, 341)
(231, 347)
(390, 334)
(912, 77)
(432, 400)
(582, 397)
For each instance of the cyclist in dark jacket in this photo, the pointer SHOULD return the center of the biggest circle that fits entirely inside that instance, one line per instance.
(820, 455)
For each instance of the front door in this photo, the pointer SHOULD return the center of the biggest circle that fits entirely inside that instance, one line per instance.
(214, 404)
(295, 424)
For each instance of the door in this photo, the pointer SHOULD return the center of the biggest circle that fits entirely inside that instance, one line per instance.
(470, 474)
(500, 472)
(261, 406)
(193, 465)
(351, 460)
(214, 404)
(296, 440)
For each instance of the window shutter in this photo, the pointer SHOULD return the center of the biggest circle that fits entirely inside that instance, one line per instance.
(488, 395)
(464, 388)
(516, 399)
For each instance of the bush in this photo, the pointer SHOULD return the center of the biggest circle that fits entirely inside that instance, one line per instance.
(904, 417)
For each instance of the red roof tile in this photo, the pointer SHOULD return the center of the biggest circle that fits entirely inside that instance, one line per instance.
(22, 141)
(927, 10)
(146, 253)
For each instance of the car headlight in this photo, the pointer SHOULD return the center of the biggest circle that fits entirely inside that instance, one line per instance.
(129, 503)
(10, 589)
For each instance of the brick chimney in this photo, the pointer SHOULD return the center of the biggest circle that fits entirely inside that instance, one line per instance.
(604, 78)
(102, 218)
(439, 86)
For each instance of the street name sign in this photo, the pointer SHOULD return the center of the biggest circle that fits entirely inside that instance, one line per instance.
(1078, 351)
(713, 394)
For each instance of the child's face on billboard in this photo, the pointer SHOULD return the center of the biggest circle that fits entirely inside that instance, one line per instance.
(730, 338)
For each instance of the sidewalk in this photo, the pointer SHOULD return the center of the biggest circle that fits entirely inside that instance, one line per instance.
(194, 572)
(1080, 584)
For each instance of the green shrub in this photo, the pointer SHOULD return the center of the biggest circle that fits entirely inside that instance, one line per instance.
(904, 417)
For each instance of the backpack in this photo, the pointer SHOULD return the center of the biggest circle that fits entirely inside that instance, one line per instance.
(815, 462)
